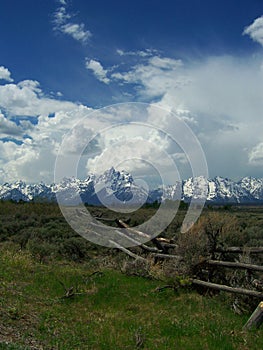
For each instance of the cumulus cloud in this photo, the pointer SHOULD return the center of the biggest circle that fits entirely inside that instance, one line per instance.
(200, 85)
(5, 74)
(220, 98)
(9, 128)
(224, 88)
(34, 159)
(142, 146)
(27, 99)
(97, 69)
(28, 149)
(31, 161)
(135, 154)
(63, 23)
(255, 30)
(120, 152)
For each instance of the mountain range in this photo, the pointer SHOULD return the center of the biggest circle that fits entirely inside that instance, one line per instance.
(119, 186)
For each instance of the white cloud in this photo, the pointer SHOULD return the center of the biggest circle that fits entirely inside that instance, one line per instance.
(223, 88)
(5, 74)
(219, 97)
(256, 155)
(77, 31)
(27, 99)
(165, 63)
(98, 70)
(63, 23)
(34, 159)
(255, 30)
(141, 53)
(9, 128)
(133, 154)
(156, 76)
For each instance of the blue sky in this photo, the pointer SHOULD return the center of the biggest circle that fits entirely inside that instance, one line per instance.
(62, 59)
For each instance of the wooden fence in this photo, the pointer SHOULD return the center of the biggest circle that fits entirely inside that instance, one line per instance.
(160, 250)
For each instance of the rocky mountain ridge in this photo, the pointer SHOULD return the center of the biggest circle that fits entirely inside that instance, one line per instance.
(119, 186)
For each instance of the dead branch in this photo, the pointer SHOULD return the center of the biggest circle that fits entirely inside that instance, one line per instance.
(71, 295)
(150, 249)
(163, 244)
(122, 224)
(127, 251)
(69, 292)
(104, 219)
(240, 250)
(224, 288)
(237, 265)
(256, 319)
(168, 286)
(163, 240)
(166, 256)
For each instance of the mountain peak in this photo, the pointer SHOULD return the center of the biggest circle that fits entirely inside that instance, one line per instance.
(114, 184)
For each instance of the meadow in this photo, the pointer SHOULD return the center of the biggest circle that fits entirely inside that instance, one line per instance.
(58, 291)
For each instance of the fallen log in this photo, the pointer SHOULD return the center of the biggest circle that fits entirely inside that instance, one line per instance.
(111, 241)
(256, 319)
(122, 224)
(104, 219)
(163, 243)
(111, 228)
(150, 249)
(166, 256)
(237, 265)
(163, 240)
(127, 251)
(225, 288)
(240, 250)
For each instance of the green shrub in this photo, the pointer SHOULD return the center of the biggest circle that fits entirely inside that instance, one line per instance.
(41, 250)
(74, 248)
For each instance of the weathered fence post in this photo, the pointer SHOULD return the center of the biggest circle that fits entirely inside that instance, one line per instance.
(256, 319)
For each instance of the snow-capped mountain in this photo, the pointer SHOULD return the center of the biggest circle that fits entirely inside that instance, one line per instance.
(20, 191)
(109, 188)
(119, 186)
(246, 190)
(113, 187)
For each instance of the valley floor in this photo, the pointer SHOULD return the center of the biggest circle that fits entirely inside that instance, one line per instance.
(60, 292)
(108, 310)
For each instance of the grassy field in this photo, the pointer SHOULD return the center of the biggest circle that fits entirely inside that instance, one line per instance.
(41, 259)
(109, 310)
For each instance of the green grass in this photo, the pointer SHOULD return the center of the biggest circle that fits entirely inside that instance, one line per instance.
(111, 311)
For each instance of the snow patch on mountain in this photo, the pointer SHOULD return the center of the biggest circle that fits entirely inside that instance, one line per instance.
(119, 187)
